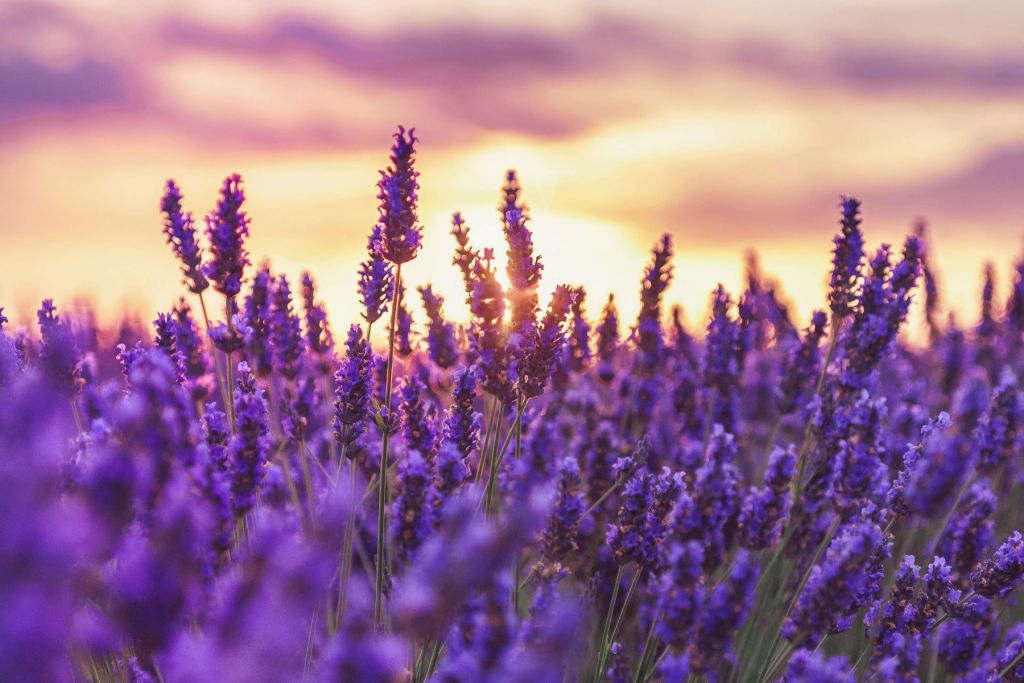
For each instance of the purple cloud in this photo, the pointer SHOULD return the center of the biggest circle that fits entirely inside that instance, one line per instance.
(27, 86)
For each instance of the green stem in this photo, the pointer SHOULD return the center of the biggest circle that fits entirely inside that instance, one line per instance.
(382, 480)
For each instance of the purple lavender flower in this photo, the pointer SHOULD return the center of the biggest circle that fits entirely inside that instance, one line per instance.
(451, 471)
(403, 326)
(285, 331)
(938, 471)
(969, 532)
(462, 422)
(996, 435)
(412, 512)
(1001, 573)
(561, 535)
(802, 366)
(418, 417)
(524, 270)
(896, 620)
(488, 341)
(257, 316)
(578, 348)
(846, 259)
(226, 229)
(807, 666)
(937, 593)
(400, 236)
(657, 276)
(963, 638)
(725, 352)
(723, 613)
(164, 326)
(1010, 654)
(607, 340)
(376, 281)
(836, 584)
(764, 510)
(441, 343)
(859, 476)
(353, 389)
(318, 334)
(537, 356)
(181, 235)
(681, 594)
(250, 444)
(58, 354)
(191, 356)
(465, 256)
(647, 501)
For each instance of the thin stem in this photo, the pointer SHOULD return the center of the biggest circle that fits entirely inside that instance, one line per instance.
(382, 479)
(230, 372)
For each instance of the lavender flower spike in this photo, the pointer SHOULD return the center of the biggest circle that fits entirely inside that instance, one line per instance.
(400, 237)
(1001, 573)
(375, 280)
(847, 260)
(354, 387)
(181, 235)
(226, 229)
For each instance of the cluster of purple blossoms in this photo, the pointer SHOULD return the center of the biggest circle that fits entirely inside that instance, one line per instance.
(239, 499)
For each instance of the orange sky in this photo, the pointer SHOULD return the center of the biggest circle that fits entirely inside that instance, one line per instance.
(730, 127)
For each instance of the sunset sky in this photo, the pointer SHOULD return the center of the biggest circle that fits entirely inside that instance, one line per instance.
(730, 125)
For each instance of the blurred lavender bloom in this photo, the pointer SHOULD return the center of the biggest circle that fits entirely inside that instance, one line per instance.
(164, 327)
(285, 331)
(724, 612)
(400, 237)
(190, 354)
(681, 594)
(403, 327)
(181, 235)
(58, 352)
(418, 417)
(462, 422)
(226, 229)
(649, 335)
(257, 316)
(441, 342)
(764, 510)
(995, 437)
(412, 513)
(560, 538)
(250, 443)
(607, 340)
(969, 532)
(524, 270)
(318, 336)
(1010, 654)
(937, 471)
(807, 666)
(353, 389)
(802, 366)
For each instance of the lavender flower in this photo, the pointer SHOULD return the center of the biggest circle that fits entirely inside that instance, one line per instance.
(418, 418)
(969, 532)
(440, 333)
(353, 389)
(285, 331)
(802, 366)
(400, 237)
(181, 235)
(846, 259)
(257, 316)
(524, 270)
(191, 356)
(806, 666)
(226, 229)
(963, 638)
(764, 510)
(724, 612)
(412, 512)
(561, 535)
(250, 444)
(318, 334)
(607, 340)
(681, 594)
(462, 422)
(376, 281)
(1001, 573)
(403, 326)
(836, 584)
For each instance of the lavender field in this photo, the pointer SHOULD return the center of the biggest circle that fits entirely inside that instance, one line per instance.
(248, 490)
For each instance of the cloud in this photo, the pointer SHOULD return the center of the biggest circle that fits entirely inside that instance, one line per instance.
(28, 86)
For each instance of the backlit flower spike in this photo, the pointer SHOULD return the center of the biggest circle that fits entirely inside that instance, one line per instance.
(58, 352)
(181, 235)
(465, 256)
(1015, 302)
(190, 354)
(523, 268)
(418, 417)
(319, 340)
(578, 348)
(462, 421)
(488, 338)
(649, 335)
(376, 280)
(164, 327)
(536, 360)
(285, 331)
(607, 340)
(227, 226)
(847, 260)
(441, 342)
(400, 237)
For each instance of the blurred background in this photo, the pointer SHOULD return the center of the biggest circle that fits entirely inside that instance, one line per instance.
(729, 125)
